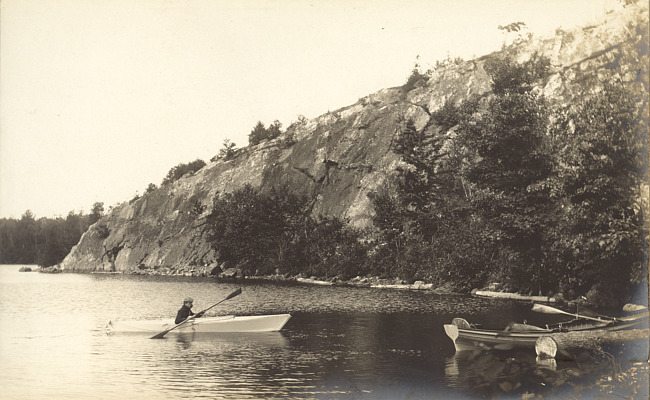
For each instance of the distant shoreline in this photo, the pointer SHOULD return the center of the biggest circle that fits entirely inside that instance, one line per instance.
(362, 282)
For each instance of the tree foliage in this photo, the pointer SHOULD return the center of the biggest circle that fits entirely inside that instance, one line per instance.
(414, 78)
(43, 241)
(96, 212)
(540, 199)
(264, 232)
(261, 134)
(150, 188)
(510, 162)
(181, 170)
(226, 152)
(601, 230)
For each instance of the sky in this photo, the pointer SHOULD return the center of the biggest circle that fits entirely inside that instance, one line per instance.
(100, 98)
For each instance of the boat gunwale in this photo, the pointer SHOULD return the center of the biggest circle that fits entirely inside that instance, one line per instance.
(472, 337)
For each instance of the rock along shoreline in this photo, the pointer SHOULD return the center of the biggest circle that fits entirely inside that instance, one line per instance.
(235, 275)
(232, 275)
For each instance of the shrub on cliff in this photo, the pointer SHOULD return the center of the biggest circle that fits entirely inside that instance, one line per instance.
(181, 169)
(414, 79)
(226, 152)
(260, 133)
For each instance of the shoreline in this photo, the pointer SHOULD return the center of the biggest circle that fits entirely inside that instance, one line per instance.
(233, 275)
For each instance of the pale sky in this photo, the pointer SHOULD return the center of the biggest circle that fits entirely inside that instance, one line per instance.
(99, 98)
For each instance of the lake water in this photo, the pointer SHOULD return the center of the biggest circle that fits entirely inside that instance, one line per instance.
(341, 343)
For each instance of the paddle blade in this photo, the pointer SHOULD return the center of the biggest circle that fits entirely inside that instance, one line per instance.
(233, 294)
(159, 335)
(546, 309)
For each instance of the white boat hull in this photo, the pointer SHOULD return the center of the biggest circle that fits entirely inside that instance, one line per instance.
(466, 337)
(229, 323)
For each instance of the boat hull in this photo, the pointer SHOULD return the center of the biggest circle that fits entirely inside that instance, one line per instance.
(472, 339)
(224, 324)
(468, 338)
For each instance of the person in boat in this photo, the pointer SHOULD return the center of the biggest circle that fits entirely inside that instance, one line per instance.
(186, 311)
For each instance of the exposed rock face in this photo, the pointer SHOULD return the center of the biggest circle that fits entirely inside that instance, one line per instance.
(339, 157)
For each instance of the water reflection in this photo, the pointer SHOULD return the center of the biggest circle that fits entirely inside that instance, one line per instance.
(205, 365)
(494, 372)
(262, 341)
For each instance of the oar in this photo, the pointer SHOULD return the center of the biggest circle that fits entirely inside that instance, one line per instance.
(163, 333)
(551, 310)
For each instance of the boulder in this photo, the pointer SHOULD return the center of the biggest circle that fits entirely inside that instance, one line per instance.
(229, 273)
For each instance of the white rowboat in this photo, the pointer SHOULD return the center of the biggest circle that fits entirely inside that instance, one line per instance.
(229, 323)
(468, 337)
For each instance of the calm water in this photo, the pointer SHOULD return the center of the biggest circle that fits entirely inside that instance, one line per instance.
(341, 343)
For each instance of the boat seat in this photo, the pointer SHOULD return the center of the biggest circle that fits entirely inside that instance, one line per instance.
(461, 323)
(515, 327)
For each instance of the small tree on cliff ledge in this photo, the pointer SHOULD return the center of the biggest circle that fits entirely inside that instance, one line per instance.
(260, 133)
(181, 169)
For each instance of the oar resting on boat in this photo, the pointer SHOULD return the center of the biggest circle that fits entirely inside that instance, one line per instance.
(552, 310)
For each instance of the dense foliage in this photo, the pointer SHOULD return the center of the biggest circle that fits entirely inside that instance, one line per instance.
(266, 233)
(43, 241)
(600, 234)
(539, 199)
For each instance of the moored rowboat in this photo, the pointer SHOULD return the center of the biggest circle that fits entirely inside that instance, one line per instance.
(223, 324)
(468, 337)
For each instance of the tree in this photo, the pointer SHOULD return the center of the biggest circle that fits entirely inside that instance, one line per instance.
(55, 245)
(477, 208)
(27, 237)
(264, 232)
(258, 134)
(181, 170)
(245, 227)
(408, 208)
(511, 164)
(602, 175)
(45, 241)
(96, 213)
(415, 77)
(150, 188)
(274, 130)
(227, 151)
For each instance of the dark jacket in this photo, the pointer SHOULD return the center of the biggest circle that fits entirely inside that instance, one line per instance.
(183, 314)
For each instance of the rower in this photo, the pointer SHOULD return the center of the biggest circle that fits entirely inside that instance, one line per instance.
(186, 311)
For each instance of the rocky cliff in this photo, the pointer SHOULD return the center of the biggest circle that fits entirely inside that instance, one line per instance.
(341, 156)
